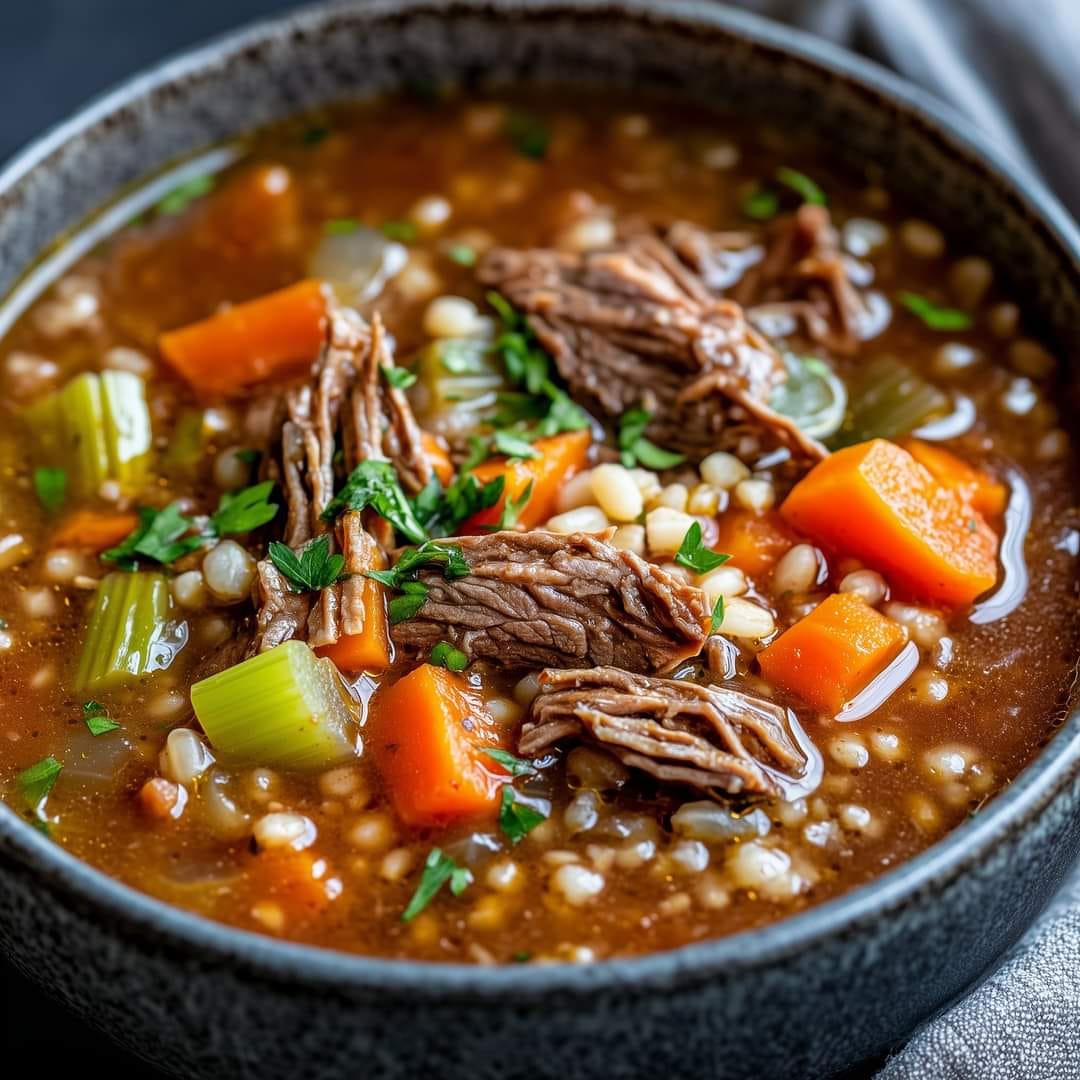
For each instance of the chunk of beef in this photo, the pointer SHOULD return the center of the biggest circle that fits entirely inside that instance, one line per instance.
(803, 274)
(537, 599)
(634, 326)
(719, 740)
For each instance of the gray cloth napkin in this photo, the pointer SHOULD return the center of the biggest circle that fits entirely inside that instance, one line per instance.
(1010, 65)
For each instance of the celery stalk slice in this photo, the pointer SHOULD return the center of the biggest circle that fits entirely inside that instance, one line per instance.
(127, 425)
(129, 633)
(284, 707)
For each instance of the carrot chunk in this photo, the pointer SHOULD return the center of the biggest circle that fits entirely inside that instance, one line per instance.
(94, 530)
(370, 649)
(257, 211)
(429, 733)
(559, 458)
(834, 652)
(439, 457)
(874, 501)
(755, 541)
(272, 336)
(973, 485)
(300, 882)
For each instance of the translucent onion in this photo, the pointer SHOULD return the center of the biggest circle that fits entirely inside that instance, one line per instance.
(357, 264)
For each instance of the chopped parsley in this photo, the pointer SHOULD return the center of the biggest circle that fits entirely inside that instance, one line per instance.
(36, 782)
(636, 449)
(248, 456)
(314, 569)
(50, 486)
(717, 619)
(802, 185)
(515, 766)
(937, 318)
(694, 555)
(399, 378)
(517, 819)
(445, 655)
(375, 484)
(439, 869)
(513, 445)
(244, 511)
(441, 512)
(183, 195)
(761, 204)
(402, 231)
(162, 536)
(462, 254)
(341, 226)
(314, 135)
(528, 135)
(402, 576)
(511, 510)
(97, 719)
(413, 596)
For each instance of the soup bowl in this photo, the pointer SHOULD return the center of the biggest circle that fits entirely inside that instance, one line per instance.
(802, 997)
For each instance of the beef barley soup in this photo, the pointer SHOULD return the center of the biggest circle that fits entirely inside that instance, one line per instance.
(525, 530)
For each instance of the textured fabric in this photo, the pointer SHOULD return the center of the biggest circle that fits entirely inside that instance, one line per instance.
(1011, 66)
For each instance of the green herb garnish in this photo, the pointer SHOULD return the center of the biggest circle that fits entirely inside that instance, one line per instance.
(398, 377)
(36, 782)
(412, 599)
(314, 569)
(183, 195)
(441, 512)
(515, 766)
(445, 655)
(50, 485)
(314, 135)
(937, 318)
(513, 446)
(402, 231)
(511, 511)
(341, 226)
(635, 448)
(717, 615)
(517, 819)
(528, 134)
(462, 254)
(802, 185)
(694, 555)
(97, 719)
(447, 557)
(159, 537)
(375, 484)
(438, 870)
(761, 204)
(243, 511)
(248, 456)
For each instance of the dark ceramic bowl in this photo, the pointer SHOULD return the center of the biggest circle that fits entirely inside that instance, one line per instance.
(802, 997)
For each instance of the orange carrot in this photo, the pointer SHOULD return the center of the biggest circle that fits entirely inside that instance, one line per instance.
(94, 530)
(256, 211)
(272, 336)
(754, 541)
(876, 502)
(439, 457)
(834, 652)
(300, 882)
(428, 735)
(161, 799)
(973, 485)
(370, 649)
(560, 456)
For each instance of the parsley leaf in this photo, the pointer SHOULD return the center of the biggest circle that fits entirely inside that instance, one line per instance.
(244, 510)
(341, 226)
(50, 485)
(397, 377)
(513, 445)
(462, 254)
(375, 484)
(97, 719)
(314, 569)
(511, 511)
(802, 185)
(445, 655)
(694, 555)
(429, 553)
(635, 448)
(159, 537)
(411, 600)
(761, 205)
(312, 136)
(183, 195)
(442, 512)
(937, 318)
(517, 819)
(438, 870)
(717, 616)
(36, 782)
(528, 134)
(515, 766)
(402, 231)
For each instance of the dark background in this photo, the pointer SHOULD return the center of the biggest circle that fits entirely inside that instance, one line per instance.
(54, 55)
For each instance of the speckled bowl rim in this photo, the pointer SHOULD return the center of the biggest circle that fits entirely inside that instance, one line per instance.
(1056, 765)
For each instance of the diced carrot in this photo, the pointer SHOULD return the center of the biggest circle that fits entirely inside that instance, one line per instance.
(876, 502)
(439, 457)
(428, 734)
(94, 530)
(300, 882)
(834, 652)
(973, 485)
(161, 799)
(272, 336)
(755, 541)
(256, 211)
(559, 458)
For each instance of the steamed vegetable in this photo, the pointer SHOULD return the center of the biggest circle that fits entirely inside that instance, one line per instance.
(129, 632)
(812, 396)
(430, 734)
(460, 381)
(833, 653)
(284, 707)
(754, 541)
(96, 428)
(875, 502)
(272, 336)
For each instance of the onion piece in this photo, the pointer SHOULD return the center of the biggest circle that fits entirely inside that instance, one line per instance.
(357, 264)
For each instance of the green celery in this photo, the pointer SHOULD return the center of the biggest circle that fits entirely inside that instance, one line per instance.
(128, 633)
(460, 377)
(284, 707)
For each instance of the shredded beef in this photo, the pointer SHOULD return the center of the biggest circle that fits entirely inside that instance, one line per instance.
(719, 740)
(635, 326)
(536, 599)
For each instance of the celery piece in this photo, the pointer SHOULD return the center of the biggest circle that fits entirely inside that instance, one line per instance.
(129, 634)
(888, 401)
(186, 442)
(98, 428)
(283, 707)
(460, 379)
